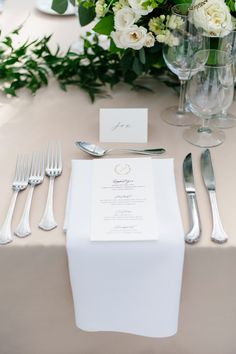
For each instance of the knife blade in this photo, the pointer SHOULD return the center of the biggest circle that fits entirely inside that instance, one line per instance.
(194, 233)
(218, 234)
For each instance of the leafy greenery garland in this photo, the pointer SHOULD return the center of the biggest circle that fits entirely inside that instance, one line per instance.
(30, 65)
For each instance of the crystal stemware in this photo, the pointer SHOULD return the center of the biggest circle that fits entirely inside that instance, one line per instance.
(227, 43)
(209, 92)
(184, 41)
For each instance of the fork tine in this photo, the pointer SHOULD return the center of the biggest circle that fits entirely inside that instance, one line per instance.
(18, 171)
(39, 164)
(55, 155)
(20, 168)
(26, 169)
(49, 156)
(33, 164)
(42, 165)
(52, 155)
(16, 168)
(59, 158)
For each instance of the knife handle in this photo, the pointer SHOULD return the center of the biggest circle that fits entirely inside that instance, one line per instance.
(194, 233)
(218, 233)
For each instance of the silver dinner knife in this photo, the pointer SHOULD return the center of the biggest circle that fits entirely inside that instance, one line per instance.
(194, 232)
(218, 234)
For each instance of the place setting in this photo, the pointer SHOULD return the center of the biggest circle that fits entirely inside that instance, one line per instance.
(138, 191)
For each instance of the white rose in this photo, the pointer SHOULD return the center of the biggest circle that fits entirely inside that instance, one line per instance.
(149, 40)
(133, 38)
(213, 16)
(139, 7)
(115, 35)
(125, 18)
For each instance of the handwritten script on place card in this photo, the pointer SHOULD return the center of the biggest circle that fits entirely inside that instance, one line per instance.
(124, 125)
(123, 200)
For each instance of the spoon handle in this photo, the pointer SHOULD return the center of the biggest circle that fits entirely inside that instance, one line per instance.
(157, 151)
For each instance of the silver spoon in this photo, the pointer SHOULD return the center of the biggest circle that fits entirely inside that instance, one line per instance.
(98, 151)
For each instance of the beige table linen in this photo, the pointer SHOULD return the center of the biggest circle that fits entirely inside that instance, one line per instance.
(36, 310)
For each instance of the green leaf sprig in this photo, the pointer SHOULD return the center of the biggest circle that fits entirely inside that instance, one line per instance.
(31, 64)
(23, 65)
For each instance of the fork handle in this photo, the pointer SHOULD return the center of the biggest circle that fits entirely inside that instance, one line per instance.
(23, 228)
(48, 221)
(5, 231)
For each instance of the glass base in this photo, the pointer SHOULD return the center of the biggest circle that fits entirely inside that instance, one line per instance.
(171, 116)
(204, 137)
(224, 122)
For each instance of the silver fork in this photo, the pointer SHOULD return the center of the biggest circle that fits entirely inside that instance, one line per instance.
(53, 169)
(35, 178)
(20, 182)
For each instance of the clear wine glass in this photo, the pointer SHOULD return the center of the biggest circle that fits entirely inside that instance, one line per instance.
(227, 43)
(186, 40)
(210, 90)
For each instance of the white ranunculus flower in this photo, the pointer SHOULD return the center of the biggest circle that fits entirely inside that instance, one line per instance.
(125, 18)
(133, 38)
(213, 16)
(139, 7)
(149, 40)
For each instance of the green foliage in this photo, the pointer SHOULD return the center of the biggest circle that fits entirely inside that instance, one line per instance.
(91, 71)
(30, 65)
(60, 6)
(231, 5)
(86, 14)
(105, 25)
(24, 65)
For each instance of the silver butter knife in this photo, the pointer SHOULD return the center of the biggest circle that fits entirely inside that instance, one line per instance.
(218, 233)
(194, 233)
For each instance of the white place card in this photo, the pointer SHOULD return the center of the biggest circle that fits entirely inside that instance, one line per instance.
(123, 200)
(123, 125)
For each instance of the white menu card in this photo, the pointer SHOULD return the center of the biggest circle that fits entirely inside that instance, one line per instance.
(123, 202)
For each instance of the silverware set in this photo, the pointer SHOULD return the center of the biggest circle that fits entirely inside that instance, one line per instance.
(29, 172)
(218, 234)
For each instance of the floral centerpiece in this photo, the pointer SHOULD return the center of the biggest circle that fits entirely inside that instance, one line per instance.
(138, 28)
(134, 32)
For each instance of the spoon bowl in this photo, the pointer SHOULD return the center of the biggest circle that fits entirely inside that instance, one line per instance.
(99, 151)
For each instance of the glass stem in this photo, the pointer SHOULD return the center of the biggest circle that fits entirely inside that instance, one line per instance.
(181, 108)
(205, 126)
(223, 114)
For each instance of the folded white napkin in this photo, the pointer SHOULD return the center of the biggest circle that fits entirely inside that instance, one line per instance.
(131, 287)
